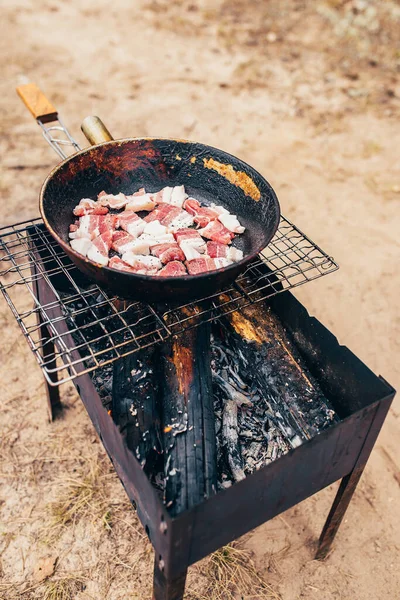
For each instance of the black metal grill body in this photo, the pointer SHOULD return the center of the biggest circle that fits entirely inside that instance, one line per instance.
(360, 398)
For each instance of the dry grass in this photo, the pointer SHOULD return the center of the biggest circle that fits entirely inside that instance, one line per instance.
(229, 574)
(83, 496)
(63, 589)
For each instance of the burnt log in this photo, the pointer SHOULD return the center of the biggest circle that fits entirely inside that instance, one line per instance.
(135, 407)
(188, 420)
(266, 354)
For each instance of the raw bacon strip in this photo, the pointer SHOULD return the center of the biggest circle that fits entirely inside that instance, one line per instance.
(150, 264)
(113, 201)
(163, 212)
(181, 221)
(118, 263)
(202, 265)
(141, 202)
(163, 195)
(154, 234)
(168, 252)
(189, 251)
(216, 232)
(231, 222)
(81, 245)
(202, 214)
(173, 269)
(217, 250)
(100, 247)
(178, 196)
(123, 242)
(89, 207)
(130, 222)
(191, 238)
(174, 196)
(90, 226)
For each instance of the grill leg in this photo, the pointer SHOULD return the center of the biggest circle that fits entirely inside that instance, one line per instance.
(48, 352)
(165, 588)
(337, 512)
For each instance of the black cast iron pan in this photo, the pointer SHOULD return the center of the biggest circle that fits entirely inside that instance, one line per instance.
(208, 174)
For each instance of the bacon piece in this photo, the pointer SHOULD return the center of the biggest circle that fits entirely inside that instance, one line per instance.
(98, 251)
(130, 222)
(181, 221)
(171, 195)
(190, 237)
(162, 212)
(189, 251)
(173, 269)
(168, 252)
(113, 201)
(202, 214)
(216, 232)
(118, 263)
(149, 264)
(74, 226)
(204, 264)
(217, 250)
(123, 242)
(81, 245)
(231, 222)
(139, 202)
(90, 226)
(89, 207)
(162, 196)
(154, 234)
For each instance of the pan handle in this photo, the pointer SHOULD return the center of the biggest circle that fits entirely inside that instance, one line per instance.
(95, 130)
(54, 131)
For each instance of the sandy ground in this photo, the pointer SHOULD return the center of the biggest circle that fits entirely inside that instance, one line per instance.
(309, 93)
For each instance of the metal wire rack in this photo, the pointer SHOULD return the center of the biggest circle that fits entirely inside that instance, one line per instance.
(55, 305)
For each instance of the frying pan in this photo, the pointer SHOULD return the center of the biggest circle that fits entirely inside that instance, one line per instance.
(208, 174)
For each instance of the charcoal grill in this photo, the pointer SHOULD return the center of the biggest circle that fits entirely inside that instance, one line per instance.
(34, 269)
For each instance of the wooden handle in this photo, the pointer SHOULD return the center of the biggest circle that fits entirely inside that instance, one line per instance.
(95, 130)
(37, 103)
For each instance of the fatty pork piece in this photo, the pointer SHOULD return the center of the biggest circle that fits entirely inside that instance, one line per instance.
(130, 222)
(89, 207)
(231, 222)
(172, 217)
(202, 215)
(149, 265)
(124, 242)
(96, 249)
(117, 201)
(204, 264)
(217, 250)
(154, 233)
(91, 226)
(217, 232)
(140, 201)
(117, 263)
(171, 195)
(168, 252)
(173, 269)
(190, 242)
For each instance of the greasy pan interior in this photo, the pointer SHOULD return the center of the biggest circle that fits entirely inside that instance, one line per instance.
(209, 175)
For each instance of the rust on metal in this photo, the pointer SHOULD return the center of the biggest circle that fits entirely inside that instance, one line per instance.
(238, 178)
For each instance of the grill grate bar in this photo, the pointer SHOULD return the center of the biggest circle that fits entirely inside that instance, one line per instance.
(104, 328)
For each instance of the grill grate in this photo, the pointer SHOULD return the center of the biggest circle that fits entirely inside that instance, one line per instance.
(105, 329)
